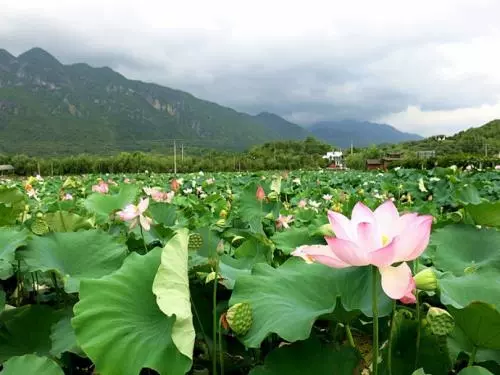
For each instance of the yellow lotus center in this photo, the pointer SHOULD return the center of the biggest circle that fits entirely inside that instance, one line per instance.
(385, 240)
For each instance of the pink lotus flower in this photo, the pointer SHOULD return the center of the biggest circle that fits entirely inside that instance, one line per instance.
(260, 194)
(67, 197)
(497, 167)
(135, 214)
(283, 221)
(380, 238)
(159, 196)
(102, 188)
(302, 203)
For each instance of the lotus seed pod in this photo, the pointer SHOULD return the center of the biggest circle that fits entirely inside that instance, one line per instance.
(426, 280)
(223, 214)
(440, 321)
(239, 318)
(456, 216)
(40, 227)
(195, 241)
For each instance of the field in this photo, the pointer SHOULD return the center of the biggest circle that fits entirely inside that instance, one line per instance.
(251, 273)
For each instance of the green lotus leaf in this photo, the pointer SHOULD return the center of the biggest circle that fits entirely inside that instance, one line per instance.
(103, 205)
(481, 324)
(288, 300)
(171, 287)
(75, 255)
(309, 357)
(487, 213)
(12, 201)
(63, 337)
(10, 240)
(63, 221)
(470, 259)
(25, 330)
(289, 239)
(475, 370)
(119, 325)
(31, 364)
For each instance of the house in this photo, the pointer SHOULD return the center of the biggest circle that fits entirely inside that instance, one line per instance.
(383, 163)
(6, 168)
(335, 159)
(374, 164)
(426, 154)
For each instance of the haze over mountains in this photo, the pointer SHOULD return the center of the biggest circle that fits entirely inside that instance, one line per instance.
(50, 108)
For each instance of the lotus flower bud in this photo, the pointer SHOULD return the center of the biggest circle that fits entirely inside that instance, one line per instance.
(239, 318)
(260, 194)
(426, 280)
(440, 321)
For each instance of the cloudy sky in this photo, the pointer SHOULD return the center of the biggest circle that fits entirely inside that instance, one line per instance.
(428, 66)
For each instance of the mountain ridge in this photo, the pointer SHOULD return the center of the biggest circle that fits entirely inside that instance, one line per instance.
(47, 107)
(360, 133)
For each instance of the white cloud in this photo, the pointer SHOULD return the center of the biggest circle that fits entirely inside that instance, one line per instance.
(416, 65)
(444, 122)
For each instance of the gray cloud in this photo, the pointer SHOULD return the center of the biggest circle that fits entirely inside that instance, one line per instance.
(362, 70)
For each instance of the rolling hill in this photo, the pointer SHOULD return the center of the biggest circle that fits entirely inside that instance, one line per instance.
(482, 140)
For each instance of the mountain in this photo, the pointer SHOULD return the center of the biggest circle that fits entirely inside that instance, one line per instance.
(360, 133)
(482, 140)
(282, 126)
(47, 107)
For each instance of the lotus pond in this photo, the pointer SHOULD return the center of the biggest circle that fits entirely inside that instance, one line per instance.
(265, 274)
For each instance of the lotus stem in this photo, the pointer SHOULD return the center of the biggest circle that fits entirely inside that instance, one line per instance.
(143, 240)
(472, 357)
(221, 352)
(391, 334)
(375, 319)
(214, 325)
(419, 329)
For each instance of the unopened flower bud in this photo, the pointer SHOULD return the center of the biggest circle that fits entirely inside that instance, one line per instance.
(426, 280)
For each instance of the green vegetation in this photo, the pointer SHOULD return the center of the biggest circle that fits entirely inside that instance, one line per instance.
(483, 140)
(476, 146)
(280, 155)
(141, 274)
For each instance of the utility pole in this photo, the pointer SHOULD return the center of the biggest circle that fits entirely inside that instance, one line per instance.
(175, 159)
(352, 148)
(486, 149)
(182, 151)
